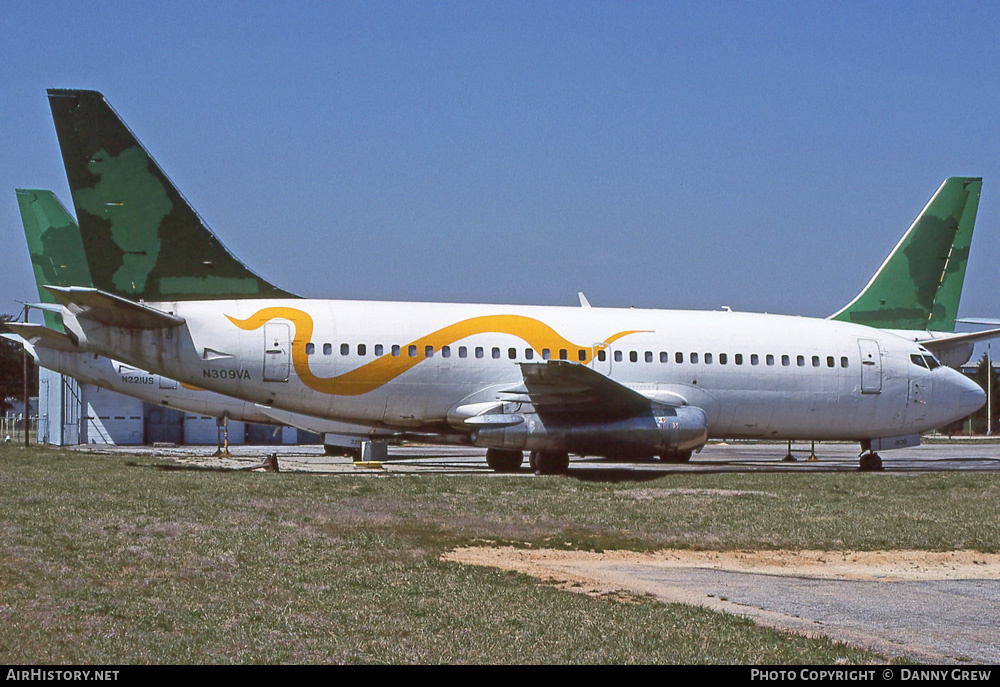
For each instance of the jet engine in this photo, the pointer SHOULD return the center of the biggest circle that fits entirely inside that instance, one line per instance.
(663, 431)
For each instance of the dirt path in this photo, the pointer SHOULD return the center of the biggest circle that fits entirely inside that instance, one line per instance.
(932, 606)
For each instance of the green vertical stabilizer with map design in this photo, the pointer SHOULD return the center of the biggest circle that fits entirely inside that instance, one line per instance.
(919, 285)
(54, 244)
(142, 239)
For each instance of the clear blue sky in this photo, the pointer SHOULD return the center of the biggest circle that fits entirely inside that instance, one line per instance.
(765, 156)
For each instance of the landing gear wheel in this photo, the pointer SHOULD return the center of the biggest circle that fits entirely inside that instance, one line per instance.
(675, 457)
(504, 460)
(550, 462)
(870, 462)
(533, 461)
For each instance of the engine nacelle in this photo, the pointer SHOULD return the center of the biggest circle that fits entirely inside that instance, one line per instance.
(685, 430)
(666, 430)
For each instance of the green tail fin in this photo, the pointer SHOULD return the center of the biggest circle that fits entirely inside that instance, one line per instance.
(54, 245)
(919, 285)
(142, 238)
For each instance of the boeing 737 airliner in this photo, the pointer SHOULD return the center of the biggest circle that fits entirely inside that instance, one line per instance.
(549, 380)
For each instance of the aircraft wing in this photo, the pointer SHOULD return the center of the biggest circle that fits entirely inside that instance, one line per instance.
(111, 310)
(563, 387)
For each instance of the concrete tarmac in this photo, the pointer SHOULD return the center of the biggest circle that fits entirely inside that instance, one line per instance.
(970, 455)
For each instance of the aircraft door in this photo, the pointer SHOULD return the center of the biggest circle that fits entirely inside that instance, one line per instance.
(917, 399)
(601, 361)
(871, 366)
(277, 352)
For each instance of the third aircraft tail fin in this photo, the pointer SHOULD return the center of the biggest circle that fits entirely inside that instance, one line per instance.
(919, 285)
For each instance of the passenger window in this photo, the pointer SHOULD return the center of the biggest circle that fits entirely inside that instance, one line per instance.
(800, 360)
(649, 356)
(664, 357)
(602, 355)
(412, 351)
(546, 354)
(563, 354)
(345, 349)
(723, 359)
(829, 361)
(479, 351)
(463, 352)
(708, 358)
(843, 361)
(739, 358)
(428, 351)
(327, 349)
(529, 353)
(378, 349)
(678, 357)
(770, 359)
(582, 355)
(512, 353)
(815, 361)
(785, 361)
(754, 359)
(496, 353)
(618, 356)
(694, 357)
(362, 349)
(395, 350)
(446, 351)
(310, 349)
(633, 356)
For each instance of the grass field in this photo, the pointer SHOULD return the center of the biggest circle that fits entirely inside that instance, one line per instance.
(112, 559)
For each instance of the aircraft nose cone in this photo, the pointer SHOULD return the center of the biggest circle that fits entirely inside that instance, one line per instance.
(971, 395)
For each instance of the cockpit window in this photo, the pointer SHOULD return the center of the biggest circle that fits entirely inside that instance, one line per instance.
(932, 362)
(917, 360)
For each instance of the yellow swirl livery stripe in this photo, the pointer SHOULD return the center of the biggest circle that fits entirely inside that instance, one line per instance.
(385, 368)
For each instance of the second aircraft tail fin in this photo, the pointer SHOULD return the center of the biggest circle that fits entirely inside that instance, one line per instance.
(919, 285)
(54, 244)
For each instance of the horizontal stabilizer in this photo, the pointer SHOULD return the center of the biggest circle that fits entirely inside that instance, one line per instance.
(110, 310)
(942, 342)
(988, 321)
(46, 307)
(40, 335)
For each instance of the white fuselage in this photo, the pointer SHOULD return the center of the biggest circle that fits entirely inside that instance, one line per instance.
(90, 368)
(410, 365)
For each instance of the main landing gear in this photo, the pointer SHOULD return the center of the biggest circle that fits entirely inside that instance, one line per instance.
(503, 460)
(548, 462)
(869, 461)
(675, 457)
